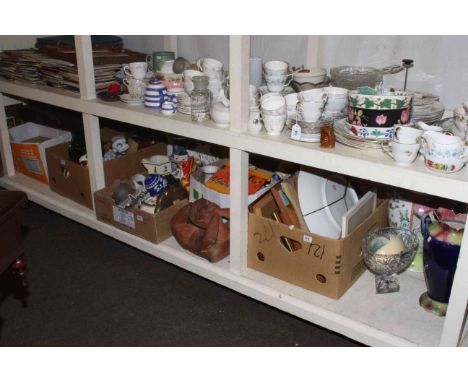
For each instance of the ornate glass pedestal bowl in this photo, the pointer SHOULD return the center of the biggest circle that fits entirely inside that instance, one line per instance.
(388, 252)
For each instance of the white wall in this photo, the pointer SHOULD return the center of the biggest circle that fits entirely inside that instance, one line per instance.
(440, 61)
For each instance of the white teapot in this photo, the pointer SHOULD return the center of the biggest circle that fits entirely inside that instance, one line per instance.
(444, 153)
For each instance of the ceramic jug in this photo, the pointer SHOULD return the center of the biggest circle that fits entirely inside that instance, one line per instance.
(443, 153)
(441, 248)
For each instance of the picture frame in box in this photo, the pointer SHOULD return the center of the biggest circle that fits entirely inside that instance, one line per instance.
(321, 264)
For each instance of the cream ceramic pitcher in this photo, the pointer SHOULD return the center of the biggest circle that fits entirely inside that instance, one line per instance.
(443, 153)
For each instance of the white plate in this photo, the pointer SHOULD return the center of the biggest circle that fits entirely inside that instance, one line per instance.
(324, 201)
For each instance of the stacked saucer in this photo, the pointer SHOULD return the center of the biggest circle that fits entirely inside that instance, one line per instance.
(426, 108)
(183, 103)
(131, 100)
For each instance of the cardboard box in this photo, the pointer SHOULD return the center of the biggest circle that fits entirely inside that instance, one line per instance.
(28, 144)
(71, 180)
(152, 227)
(323, 265)
(198, 189)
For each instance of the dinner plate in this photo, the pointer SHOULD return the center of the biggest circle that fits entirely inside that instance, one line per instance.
(324, 201)
(345, 137)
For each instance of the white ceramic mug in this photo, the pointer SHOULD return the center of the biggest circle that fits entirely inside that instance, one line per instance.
(407, 134)
(401, 153)
(136, 69)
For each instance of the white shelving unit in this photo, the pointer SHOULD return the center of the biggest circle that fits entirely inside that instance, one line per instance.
(394, 319)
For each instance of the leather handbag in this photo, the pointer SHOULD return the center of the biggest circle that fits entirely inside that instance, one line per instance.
(201, 228)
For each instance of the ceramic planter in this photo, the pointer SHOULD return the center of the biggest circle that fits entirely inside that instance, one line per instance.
(377, 118)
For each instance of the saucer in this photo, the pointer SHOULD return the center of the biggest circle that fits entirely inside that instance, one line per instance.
(131, 101)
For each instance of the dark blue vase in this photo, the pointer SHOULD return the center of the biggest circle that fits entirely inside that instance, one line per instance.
(440, 262)
(440, 259)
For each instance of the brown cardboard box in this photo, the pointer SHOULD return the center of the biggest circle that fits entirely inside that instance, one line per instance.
(71, 180)
(152, 227)
(323, 265)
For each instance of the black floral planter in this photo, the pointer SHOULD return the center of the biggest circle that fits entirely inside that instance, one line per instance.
(377, 118)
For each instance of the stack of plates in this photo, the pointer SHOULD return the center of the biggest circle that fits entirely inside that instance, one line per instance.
(426, 108)
(344, 135)
(183, 103)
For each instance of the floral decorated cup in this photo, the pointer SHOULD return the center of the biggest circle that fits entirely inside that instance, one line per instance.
(402, 153)
(407, 134)
(444, 153)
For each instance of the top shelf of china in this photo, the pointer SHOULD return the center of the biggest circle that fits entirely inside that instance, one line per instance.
(372, 165)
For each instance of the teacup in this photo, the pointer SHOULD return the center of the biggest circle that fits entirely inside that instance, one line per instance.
(402, 153)
(209, 65)
(291, 103)
(406, 134)
(166, 67)
(277, 82)
(444, 153)
(337, 99)
(137, 70)
(274, 124)
(136, 88)
(275, 67)
(313, 95)
(310, 111)
(273, 105)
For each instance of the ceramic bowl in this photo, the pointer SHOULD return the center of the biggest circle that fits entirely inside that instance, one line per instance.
(311, 75)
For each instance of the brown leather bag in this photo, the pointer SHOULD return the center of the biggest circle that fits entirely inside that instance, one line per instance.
(199, 228)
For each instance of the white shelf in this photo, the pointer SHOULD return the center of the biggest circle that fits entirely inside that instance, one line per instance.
(372, 165)
(394, 319)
